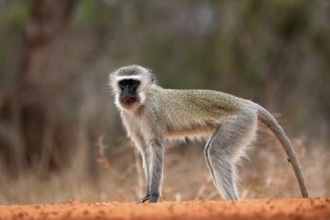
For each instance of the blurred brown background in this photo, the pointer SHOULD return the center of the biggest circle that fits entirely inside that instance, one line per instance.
(61, 136)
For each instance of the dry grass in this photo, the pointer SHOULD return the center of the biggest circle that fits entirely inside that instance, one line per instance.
(266, 174)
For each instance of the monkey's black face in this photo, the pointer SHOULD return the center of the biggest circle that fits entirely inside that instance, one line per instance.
(129, 94)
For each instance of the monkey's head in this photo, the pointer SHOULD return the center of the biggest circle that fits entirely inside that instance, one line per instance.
(130, 85)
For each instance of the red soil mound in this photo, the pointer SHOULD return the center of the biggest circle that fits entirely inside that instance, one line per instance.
(245, 209)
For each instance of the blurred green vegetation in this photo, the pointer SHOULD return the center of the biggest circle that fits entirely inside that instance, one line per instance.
(12, 21)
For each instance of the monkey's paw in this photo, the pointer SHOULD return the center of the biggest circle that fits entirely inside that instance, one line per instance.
(144, 199)
(151, 198)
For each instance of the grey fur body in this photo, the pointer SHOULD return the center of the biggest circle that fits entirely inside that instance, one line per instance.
(228, 123)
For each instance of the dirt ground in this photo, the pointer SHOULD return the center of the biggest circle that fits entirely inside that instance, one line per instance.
(317, 208)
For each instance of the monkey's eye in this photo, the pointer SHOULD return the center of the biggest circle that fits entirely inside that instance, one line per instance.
(135, 83)
(129, 83)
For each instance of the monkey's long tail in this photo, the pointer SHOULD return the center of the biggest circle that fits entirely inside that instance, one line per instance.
(269, 120)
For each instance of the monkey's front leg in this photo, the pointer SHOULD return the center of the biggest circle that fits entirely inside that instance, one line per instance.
(156, 171)
(146, 166)
(153, 167)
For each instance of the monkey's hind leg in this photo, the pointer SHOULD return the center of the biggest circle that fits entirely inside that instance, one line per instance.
(224, 148)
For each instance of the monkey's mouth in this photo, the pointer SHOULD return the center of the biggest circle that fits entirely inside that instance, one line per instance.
(128, 100)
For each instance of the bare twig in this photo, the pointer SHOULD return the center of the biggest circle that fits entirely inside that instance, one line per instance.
(200, 192)
(102, 160)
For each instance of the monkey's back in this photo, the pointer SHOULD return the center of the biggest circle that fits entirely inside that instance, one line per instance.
(195, 106)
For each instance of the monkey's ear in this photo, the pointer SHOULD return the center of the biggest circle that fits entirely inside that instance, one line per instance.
(112, 76)
(152, 76)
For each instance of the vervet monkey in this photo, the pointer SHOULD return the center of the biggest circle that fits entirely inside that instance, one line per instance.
(152, 114)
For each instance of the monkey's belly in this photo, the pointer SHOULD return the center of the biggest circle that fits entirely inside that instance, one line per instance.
(196, 133)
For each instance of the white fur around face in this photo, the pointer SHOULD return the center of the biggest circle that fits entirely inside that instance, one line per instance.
(117, 91)
(135, 77)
